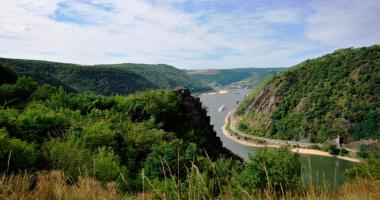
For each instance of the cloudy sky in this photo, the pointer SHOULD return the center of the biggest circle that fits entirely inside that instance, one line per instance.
(185, 33)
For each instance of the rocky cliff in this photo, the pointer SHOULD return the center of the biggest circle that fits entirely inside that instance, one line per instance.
(194, 117)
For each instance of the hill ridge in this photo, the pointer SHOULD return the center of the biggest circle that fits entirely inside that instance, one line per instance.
(106, 79)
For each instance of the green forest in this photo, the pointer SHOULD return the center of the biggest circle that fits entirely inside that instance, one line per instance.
(224, 77)
(57, 144)
(105, 79)
(161, 136)
(319, 99)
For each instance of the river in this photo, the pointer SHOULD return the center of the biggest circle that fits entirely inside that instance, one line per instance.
(331, 169)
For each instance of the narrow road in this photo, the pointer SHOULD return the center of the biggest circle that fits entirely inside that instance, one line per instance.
(233, 127)
(232, 116)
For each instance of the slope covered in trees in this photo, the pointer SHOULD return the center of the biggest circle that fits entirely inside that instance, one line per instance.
(156, 144)
(105, 79)
(158, 135)
(319, 99)
(224, 77)
(42, 127)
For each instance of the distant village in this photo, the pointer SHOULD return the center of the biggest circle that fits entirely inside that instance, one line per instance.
(236, 85)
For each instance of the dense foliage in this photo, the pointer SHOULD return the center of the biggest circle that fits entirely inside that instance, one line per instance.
(278, 169)
(43, 126)
(319, 99)
(157, 140)
(369, 169)
(247, 76)
(369, 150)
(105, 79)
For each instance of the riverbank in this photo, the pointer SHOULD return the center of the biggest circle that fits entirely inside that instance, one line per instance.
(226, 131)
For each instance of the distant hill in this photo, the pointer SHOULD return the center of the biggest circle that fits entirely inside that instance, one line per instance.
(223, 77)
(106, 79)
(319, 99)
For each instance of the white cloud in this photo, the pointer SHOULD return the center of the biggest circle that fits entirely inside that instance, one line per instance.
(113, 31)
(281, 15)
(345, 23)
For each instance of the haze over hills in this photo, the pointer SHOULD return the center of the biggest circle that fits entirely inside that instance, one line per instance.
(106, 79)
(319, 99)
(223, 77)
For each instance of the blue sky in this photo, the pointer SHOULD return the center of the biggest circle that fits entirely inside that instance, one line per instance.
(187, 34)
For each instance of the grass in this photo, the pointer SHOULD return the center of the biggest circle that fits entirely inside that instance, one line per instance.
(48, 185)
(53, 185)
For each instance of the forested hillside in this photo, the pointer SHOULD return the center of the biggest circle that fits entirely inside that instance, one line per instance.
(224, 77)
(105, 79)
(319, 99)
(156, 144)
(42, 127)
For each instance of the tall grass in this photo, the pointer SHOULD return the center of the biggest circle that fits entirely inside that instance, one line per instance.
(46, 185)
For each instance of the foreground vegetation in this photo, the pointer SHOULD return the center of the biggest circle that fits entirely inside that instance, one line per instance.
(221, 182)
(319, 99)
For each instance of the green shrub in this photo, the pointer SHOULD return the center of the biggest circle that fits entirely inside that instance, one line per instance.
(170, 159)
(368, 168)
(12, 94)
(98, 134)
(44, 92)
(7, 75)
(331, 148)
(106, 165)
(274, 168)
(20, 154)
(370, 150)
(39, 122)
(242, 126)
(313, 146)
(343, 152)
(69, 156)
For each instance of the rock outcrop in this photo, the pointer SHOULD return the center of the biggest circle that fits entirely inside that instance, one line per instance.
(195, 118)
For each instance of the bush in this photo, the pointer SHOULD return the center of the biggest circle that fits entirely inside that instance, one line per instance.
(242, 127)
(274, 168)
(12, 94)
(370, 150)
(331, 148)
(98, 134)
(39, 122)
(106, 165)
(44, 92)
(170, 159)
(313, 146)
(343, 152)
(20, 154)
(69, 156)
(7, 75)
(368, 168)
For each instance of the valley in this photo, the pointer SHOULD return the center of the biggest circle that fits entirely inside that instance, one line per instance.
(67, 134)
(189, 100)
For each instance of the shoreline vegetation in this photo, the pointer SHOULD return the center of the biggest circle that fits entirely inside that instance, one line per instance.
(232, 135)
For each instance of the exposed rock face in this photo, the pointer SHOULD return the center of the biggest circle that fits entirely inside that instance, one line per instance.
(266, 101)
(195, 118)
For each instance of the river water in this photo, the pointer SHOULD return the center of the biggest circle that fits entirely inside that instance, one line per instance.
(322, 170)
